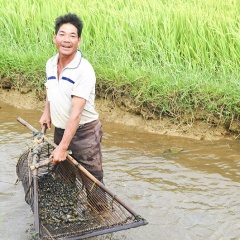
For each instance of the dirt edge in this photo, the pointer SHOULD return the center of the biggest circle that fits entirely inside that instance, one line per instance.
(111, 113)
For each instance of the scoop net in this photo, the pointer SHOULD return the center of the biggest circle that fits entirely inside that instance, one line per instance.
(68, 202)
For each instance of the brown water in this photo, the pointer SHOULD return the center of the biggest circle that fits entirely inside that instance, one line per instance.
(193, 194)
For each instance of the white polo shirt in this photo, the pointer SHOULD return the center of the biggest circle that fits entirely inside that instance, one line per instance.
(76, 79)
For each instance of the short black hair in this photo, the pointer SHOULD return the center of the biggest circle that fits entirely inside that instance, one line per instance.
(69, 18)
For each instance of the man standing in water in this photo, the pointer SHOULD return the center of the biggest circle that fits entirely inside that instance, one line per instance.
(70, 99)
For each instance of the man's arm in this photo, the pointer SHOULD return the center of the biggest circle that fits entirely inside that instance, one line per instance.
(46, 118)
(59, 154)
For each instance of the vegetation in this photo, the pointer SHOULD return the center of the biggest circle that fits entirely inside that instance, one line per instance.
(179, 58)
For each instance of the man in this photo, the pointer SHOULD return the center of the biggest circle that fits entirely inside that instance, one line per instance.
(70, 99)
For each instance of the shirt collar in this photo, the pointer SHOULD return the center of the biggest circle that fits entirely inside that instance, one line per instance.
(73, 64)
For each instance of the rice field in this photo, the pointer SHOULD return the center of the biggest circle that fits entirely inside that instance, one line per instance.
(170, 57)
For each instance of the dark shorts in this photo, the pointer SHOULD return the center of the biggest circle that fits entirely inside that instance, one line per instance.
(86, 147)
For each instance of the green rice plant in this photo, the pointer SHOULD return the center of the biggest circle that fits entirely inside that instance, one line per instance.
(169, 56)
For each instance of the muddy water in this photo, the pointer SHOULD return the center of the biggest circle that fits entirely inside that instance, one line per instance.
(192, 194)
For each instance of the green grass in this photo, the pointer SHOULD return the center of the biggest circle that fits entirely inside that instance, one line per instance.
(170, 57)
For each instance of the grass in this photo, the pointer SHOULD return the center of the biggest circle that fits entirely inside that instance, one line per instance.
(172, 58)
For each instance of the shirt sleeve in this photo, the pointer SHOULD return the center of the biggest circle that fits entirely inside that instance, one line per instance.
(85, 83)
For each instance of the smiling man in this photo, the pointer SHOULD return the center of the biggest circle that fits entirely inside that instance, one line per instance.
(70, 99)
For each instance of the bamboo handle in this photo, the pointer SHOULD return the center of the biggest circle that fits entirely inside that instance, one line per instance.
(39, 165)
(44, 129)
(26, 124)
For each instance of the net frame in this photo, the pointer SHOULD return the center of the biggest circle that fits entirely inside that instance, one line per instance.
(95, 205)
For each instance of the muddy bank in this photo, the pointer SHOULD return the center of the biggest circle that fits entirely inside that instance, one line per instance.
(109, 112)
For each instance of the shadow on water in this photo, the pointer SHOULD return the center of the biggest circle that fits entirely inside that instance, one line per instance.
(191, 193)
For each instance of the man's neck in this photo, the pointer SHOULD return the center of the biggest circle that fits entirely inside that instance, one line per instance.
(63, 61)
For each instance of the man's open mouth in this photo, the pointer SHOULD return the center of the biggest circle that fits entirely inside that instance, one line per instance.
(65, 46)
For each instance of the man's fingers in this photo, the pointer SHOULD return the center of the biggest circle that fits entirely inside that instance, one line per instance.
(54, 161)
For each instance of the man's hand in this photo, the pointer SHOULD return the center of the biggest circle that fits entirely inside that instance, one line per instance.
(46, 118)
(58, 155)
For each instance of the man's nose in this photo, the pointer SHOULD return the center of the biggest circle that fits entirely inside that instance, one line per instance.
(66, 38)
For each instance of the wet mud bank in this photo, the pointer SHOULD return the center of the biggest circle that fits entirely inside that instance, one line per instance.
(111, 112)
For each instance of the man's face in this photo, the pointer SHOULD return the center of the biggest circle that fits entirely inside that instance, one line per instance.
(66, 40)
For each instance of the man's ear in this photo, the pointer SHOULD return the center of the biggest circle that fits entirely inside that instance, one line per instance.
(79, 41)
(54, 38)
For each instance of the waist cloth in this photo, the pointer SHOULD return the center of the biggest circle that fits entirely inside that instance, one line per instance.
(86, 146)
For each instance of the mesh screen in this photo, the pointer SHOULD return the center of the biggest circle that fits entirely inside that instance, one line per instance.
(71, 205)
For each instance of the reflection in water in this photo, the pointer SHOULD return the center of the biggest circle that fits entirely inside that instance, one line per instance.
(193, 194)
